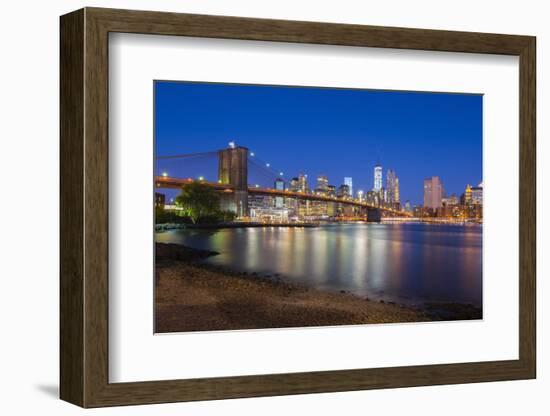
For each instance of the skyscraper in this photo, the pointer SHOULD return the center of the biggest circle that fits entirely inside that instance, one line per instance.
(468, 195)
(343, 191)
(322, 184)
(477, 194)
(377, 178)
(349, 183)
(294, 184)
(302, 183)
(433, 192)
(392, 187)
(396, 190)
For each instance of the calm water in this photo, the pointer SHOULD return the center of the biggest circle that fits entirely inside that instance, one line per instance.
(402, 262)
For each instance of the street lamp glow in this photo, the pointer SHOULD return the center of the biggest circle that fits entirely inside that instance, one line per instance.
(164, 174)
(281, 173)
(257, 186)
(201, 178)
(232, 144)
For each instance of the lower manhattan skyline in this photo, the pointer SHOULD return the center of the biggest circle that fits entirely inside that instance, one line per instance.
(335, 133)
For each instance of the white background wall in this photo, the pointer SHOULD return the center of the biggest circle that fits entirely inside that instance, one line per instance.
(29, 210)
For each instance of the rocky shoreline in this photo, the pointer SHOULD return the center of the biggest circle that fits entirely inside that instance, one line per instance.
(192, 296)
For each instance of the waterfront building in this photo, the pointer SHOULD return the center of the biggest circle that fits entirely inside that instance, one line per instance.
(258, 204)
(349, 182)
(331, 191)
(305, 208)
(360, 195)
(279, 186)
(319, 210)
(408, 206)
(377, 178)
(423, 212)
(264, 208)
(433, 192)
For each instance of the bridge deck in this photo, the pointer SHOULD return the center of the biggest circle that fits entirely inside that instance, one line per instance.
(177, 183)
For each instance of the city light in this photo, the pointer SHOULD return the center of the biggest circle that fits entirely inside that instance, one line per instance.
(326, 201)
(232, 145)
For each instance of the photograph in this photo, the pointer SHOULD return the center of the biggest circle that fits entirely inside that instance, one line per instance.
(288, 206)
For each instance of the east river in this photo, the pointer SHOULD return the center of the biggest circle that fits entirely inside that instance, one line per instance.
(407, 263)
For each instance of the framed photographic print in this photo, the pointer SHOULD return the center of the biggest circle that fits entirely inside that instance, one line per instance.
(260, 207)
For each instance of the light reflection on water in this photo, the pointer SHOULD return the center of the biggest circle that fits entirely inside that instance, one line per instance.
(401, 262)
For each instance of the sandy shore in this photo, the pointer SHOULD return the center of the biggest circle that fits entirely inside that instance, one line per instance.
(196, 297)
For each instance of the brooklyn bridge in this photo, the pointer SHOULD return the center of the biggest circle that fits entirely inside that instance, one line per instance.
(233, 168)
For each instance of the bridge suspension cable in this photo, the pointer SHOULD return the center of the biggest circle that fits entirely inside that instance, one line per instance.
(266, 168)
(188, 155)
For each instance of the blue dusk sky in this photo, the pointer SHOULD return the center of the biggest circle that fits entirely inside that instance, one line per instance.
(336, 132)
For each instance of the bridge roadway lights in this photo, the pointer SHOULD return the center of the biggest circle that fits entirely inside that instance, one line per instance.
(374, 215)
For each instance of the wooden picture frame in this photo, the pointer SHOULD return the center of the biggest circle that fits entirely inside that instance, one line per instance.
(84, 207)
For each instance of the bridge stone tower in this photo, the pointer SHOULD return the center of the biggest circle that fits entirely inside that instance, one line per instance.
(233, 170)
(374, 215)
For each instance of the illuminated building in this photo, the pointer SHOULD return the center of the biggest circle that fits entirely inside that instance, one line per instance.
(294, 185)
(280, 186)
(373, 198)
(322, 185)
(450, 201)
(377, 178)
(477, 194)
(467, 196)
(258, 205)
(331, 190)
(349, 182)
(303, 186)
(396, 190)
(360, 195)
(433, 192)
(343, 191)
(160, 200)
(408, 206)
(383, 195)
(392, 187)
